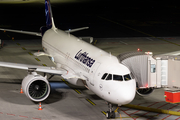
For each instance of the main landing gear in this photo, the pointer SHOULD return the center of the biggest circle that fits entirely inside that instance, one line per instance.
(110, 114)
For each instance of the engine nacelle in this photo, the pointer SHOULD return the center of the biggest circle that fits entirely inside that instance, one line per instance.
(76, 81)
(36, 87)
(144, 91)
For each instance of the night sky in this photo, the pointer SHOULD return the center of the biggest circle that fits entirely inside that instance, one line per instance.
(158, 18)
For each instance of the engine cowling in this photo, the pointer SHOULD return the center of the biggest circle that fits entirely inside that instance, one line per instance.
(36, 87)
(144, 91)
(75, 81)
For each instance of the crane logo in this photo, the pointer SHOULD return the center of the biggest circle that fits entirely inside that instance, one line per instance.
(84, 58)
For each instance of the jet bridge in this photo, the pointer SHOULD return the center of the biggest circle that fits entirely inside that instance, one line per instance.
(152, 71)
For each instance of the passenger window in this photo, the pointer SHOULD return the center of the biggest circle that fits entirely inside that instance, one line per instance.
(104, 76)
(109, 77)
(117, 77)
(127, 77)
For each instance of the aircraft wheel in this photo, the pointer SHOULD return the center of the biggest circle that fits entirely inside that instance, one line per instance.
(110, 115)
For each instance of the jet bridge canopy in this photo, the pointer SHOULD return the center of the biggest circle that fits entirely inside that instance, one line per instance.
(137, 62)
(152, 71)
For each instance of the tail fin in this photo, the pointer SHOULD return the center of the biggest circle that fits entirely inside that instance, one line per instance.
(49, 16)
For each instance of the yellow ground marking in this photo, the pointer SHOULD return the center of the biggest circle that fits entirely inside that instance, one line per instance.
(37, 59)
(92, 103)
(23, 48)
(30, 53)
(95, 42)
(152, 109)
(129, 117)
(77, 91)
(18, 44)
(103, 112)
(44, 64)
(64, 81)
(138, 31)
(116, 109)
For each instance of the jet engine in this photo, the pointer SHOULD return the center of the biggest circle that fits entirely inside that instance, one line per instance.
(144, 91)
(36, 87)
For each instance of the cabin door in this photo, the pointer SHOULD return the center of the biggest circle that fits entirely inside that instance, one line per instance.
(94, 72)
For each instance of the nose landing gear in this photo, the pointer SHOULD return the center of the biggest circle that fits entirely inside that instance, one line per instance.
(110, 114)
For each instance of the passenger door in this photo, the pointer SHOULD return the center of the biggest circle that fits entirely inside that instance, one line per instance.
(94, 72)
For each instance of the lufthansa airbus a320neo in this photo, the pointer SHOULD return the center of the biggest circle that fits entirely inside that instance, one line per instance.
(78, 62)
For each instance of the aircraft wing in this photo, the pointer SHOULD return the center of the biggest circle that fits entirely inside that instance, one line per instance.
(23, 32)
(44, 69)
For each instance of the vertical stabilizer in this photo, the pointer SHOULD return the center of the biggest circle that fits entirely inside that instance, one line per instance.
(49, 16)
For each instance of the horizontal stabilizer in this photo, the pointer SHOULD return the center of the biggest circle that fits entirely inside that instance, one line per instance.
(22, 32)
(37, 68)
(77, 29)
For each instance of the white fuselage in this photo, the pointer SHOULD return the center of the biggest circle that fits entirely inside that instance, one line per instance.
(87, 62)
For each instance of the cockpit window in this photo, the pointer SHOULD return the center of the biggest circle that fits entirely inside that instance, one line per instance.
(132, 76)
(127, 77)
(109, 77)
(104, 76)
(117, 77)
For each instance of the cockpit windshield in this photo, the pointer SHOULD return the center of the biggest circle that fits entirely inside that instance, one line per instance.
(104, 76)
(109, 77)
(127, 77)
(115, 77)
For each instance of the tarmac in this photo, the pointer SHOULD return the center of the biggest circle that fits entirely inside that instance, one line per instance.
(67, 102)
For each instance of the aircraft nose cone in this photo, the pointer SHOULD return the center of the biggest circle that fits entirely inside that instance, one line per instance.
(128, 91)
(128, 96)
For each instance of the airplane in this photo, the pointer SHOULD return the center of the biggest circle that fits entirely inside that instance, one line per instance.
(78, 62)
